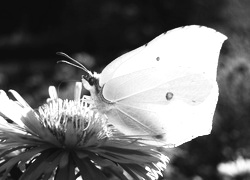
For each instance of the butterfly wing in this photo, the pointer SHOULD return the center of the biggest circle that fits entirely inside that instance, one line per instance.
(166, 87)
(190, 46)
(144, 109)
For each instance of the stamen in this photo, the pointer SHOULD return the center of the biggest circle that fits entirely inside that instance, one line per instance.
(64, 117)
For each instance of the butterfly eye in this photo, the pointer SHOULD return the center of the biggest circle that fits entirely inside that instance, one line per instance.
(169, 96)
(158, 59)
(92, 81)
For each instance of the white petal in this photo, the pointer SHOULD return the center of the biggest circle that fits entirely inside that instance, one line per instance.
(5, 126)
(10, 109)
(19, 98)
(3, 96)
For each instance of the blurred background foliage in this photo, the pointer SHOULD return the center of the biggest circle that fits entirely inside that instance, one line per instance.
(96, 32)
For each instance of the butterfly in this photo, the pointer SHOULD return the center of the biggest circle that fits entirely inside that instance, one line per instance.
(165, 89)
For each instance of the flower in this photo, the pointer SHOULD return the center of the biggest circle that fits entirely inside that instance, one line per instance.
(69, 139)
(238, 167)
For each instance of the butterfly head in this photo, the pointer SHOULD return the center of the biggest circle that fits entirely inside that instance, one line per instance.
(90, 80)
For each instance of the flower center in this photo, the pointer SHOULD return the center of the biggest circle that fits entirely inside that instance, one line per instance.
(73, 122)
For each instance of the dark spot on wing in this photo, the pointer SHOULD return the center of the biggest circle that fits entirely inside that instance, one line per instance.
(158, 59)
(169, 96)
(159, 136)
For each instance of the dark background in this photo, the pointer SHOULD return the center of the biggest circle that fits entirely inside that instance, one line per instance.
(96, 31)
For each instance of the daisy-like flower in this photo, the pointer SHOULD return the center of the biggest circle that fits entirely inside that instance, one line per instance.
(68, 139)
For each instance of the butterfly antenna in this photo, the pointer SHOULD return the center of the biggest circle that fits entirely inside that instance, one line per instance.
(78, 65)
(67, 62)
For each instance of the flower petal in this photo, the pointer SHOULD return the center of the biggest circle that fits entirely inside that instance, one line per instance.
(31, 121)
(88, 170)
(70, 135)
(10, 109)
(7, 166)
(19, 98)
(131, 173)
(66, 169)
(108, 165)
(43, 164)
(136, 169)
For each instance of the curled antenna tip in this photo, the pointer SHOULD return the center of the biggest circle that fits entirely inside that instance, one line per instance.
(62, 54)
(59, 53)
(61, 61)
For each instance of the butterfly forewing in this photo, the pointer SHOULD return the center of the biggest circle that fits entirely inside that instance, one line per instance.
(192, 46)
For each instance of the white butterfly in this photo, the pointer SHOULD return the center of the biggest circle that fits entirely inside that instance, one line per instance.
(165, 89)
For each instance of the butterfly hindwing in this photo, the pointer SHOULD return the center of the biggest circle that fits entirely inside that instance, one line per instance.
(146, 110)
